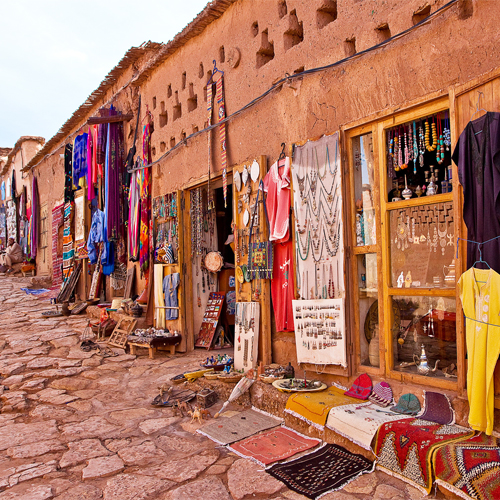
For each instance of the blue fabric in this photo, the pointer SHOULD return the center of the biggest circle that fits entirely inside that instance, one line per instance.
(2, 188)
(170, 284)
(97, 234)
(35, 291)
(80, 158)
(108, 263)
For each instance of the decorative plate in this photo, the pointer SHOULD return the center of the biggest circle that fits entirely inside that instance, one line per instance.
(255, 171)
(283, 385)
(237, 180)
(214, 262)
(246, 273)
(239, 275)
(246, 217)
(244, 175)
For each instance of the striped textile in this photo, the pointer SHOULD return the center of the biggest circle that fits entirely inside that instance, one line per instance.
(68, 247)
(222, 135)
(57, 220)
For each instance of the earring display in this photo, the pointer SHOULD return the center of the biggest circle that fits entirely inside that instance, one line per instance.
(317, 188)
(246, 335)
(211, 318)
(422, 240)
(320, 331)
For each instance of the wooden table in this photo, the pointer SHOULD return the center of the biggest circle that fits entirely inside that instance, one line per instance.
(170, 342)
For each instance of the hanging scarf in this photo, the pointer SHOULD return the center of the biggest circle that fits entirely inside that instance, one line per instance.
(145, 186)
(112, 184)
(134, 217)
(68, 173)
(33, 236)
(13, 185)
(222, 135)
(90, 165)
(79, 159)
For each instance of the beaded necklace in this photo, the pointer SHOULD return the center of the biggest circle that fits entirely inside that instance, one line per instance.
(415, 147)
(440, 148)
(430, 147)
(407, 151)
(390, 156)
(421, 143)
(447, 134)
(396, 152)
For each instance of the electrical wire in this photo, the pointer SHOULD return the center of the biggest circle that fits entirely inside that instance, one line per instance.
(289, 78)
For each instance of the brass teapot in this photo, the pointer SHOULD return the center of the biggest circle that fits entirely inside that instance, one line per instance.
(422, 364)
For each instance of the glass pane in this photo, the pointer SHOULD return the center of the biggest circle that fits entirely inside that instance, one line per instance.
(424, 336)
(422, 241)
(419, 158)
(364, 178)
(368, 310)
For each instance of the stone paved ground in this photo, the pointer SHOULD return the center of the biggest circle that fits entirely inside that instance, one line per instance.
(76, 426)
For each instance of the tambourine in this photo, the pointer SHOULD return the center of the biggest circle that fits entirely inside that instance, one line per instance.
(214, 262)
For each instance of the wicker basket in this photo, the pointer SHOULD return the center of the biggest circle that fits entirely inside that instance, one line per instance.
(269, 379)
(211, 376)
(231, 378)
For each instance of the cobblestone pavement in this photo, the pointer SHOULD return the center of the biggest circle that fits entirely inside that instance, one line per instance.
(75, 425)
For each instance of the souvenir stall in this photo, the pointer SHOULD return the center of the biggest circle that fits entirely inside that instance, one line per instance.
(212, 258)
(169, 297)
(254, 266)
(319, 311)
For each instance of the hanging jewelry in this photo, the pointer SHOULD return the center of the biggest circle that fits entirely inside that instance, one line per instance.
(447, 134)
(442, 237)
(430, 147)
(421, 145)
(331, 286)
(407, 151)
(390, 156)
(415, 147)
(440, 147)
(396, 153)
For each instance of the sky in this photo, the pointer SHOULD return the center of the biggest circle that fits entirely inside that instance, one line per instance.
(54, 53)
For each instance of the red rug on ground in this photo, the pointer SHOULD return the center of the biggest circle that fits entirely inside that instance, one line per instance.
(471, 468)
(273, 445)
(405, 448)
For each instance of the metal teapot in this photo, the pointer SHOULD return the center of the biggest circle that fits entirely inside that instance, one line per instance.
(421, 363)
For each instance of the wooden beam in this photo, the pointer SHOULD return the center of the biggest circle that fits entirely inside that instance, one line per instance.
(94, 120)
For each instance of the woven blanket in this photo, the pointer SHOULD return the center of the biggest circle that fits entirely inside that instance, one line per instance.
(360, 422)
(313, 407)
(328, 469)
(273, 445)
(229, 430)
(405, 448)
(471, 468)
(68, 249)
(57, 221)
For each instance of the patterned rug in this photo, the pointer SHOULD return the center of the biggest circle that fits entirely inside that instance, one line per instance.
(229, 430)
(360, 422)
(405, 448)
(274, 445)
(68, 248)
(313, 407)
(57, 221)
(328, 469)
(470, 469)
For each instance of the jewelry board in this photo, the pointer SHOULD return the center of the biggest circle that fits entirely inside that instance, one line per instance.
(320, 335)
(210, 320)
(317, 195)
(246, 335)
(252, 290)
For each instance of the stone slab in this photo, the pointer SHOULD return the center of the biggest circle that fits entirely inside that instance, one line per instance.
(20, 434)
(35, 449)
(136, 487)
(209, 488)
(102, 467)
(80, 451)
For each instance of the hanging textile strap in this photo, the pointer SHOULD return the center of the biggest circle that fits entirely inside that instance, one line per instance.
(222, 136)
(209, 135)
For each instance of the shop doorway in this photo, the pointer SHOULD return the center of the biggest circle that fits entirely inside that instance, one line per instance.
(213, 291)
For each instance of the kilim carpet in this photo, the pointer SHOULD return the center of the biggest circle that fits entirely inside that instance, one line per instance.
(57, 221)
(405, 448)
(328, 469)
(229, 430)
(470, 469)
(273, 445)
(313, 407)
(360, 422)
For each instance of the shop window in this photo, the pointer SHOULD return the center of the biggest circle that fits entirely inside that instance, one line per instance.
(419, 158)
(424, 338)
(364, 174)
(422, 246)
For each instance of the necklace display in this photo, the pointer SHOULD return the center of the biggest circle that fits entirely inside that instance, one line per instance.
(166, 243)
(318, 218)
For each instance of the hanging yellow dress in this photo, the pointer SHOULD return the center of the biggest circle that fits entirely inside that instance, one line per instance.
(480, 295)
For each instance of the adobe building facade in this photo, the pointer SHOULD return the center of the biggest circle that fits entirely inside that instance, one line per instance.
(294, 71)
